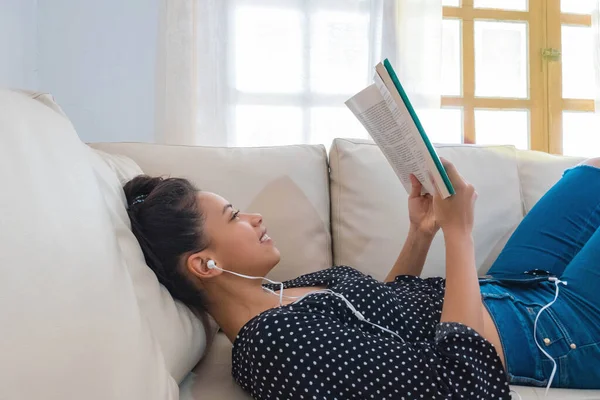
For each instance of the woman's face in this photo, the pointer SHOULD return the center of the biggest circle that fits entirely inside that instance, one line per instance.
(238, 241)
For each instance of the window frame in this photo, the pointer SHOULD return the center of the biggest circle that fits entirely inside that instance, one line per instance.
(545, 102)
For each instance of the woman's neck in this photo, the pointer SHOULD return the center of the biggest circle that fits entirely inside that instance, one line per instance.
(234, 304)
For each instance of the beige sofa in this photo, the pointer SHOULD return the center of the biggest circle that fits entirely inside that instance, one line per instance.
(347, 207)
(83, 317)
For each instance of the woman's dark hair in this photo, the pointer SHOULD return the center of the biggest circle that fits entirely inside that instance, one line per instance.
(168, 224)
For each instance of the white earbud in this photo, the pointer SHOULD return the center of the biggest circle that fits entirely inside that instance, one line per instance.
(211, 264)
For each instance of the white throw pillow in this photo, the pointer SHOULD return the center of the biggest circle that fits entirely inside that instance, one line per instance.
(180, 333)
(370, 211)
(70, 321)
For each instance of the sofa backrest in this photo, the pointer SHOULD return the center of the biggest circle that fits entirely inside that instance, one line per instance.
(288, 185)
(293, 189)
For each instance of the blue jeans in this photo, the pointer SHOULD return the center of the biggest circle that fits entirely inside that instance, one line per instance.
(560, 237)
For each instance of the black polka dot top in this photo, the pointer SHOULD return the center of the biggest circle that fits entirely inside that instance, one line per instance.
(316, 348)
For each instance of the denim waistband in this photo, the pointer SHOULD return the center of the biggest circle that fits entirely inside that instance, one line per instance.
(518, 345)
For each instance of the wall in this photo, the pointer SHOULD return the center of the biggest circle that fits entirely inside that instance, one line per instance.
(18, 44)
(98, 58)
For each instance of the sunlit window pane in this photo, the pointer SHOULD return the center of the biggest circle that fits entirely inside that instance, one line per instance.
(502, 127)
(577, 6)
(581, 134)
(451, 3)
(268, 125)
(451, 57)
(268, 49)
(339, 52)
(444, 125)
(501, 59)
(328, 123)
(518, 5)
(578, 62)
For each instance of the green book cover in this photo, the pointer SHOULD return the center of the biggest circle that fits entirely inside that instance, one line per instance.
(415, 118)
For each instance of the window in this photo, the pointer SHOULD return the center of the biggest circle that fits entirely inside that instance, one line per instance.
(515, 72)
(294, 64)
(521, 72)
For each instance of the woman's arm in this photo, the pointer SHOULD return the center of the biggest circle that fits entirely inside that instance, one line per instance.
(462, 299)
(413, 255)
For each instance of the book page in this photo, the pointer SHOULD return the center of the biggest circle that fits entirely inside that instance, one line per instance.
(395, 102)
(392, 133)
(408, 130)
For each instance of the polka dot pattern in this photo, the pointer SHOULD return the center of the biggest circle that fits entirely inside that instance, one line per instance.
(317, 349)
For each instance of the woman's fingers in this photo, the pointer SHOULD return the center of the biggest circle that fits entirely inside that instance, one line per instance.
(416, 186)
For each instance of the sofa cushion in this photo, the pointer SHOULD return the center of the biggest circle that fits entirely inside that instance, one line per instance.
(211, 378)
(180, 333)
(538, 172)
(370, 211)
(288, 185)
(70, 319)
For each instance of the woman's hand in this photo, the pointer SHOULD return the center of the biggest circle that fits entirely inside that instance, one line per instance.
(420, 210)
(455, 213)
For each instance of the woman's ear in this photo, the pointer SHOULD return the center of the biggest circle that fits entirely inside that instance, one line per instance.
(196, 264)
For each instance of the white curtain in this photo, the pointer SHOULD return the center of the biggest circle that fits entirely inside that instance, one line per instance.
(274, 72)
(176, 73)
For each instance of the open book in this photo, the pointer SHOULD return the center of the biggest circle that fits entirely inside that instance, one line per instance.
(386, 113)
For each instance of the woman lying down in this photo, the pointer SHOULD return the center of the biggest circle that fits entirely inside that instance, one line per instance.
(340, 334)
